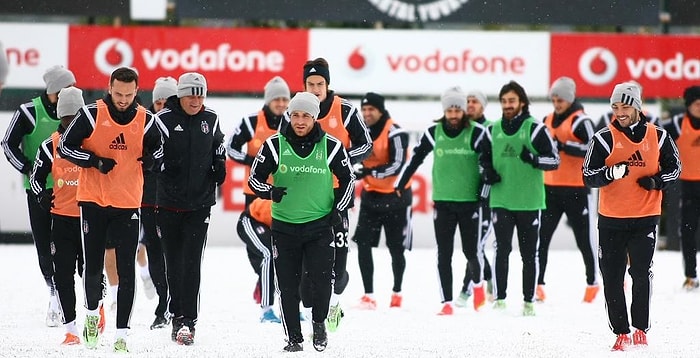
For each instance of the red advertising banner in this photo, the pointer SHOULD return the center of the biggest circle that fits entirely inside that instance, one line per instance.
(662, 64)
(232, 60)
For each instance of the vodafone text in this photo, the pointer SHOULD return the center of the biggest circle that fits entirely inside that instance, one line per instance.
(223, 58)
(464, 62)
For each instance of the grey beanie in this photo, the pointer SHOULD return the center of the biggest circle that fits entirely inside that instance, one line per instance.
(454, 97)
(164, 88)
(276, 88)
(58, 77)
(305, 102)
(627, 93)
(191, 84)
(480, 96)
(564, 88)
(70, 99)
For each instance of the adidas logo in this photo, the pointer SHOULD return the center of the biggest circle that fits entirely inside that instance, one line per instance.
(178, 128)
(636, 160)
(118, 143)
(134, 216)
(312, 70)
(287, 152)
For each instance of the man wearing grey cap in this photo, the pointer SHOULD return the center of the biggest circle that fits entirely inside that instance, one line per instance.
(631, 161)
(303, 160)
(194, 164)
(65, 213)
(113, 140)
(457, 142)
(571, 130)
(608, 117)
(31, 124)
(251, 133)
(522, 150)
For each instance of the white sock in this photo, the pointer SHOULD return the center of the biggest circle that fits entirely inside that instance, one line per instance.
(95, 312)
(71, 328)
(113, 292)
(335, 299)
(121, 333)
(370, 295)
(266, 308)
(143, 270)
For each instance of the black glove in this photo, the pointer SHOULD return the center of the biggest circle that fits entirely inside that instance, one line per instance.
(26, 169)
(219, 169)
(490, 177)
(277, 192)
(45, 199)
(617, 171)
(649, 183)
(147, 163)
(360, 171)
(249, 159)
(104, 165)
(528, 157)
(336, 218)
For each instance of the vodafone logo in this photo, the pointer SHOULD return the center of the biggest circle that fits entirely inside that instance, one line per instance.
(113, 53)
(597, 66)
(360, 61)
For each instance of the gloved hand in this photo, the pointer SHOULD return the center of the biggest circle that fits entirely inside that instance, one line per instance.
(360, 171)
(617, 171)
(490, 177)
(147, 162)
(219, 169)
(336, 218)
(528, 157)
(649, 183)
(104, 165)
(45, 199)
(277, 192)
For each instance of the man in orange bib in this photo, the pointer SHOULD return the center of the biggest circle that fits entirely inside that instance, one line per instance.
(631, 161)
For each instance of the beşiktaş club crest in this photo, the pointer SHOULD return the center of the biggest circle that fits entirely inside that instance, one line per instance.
(205, 127)
(418, 10)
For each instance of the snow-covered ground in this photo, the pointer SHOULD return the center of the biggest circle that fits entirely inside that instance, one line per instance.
(229, 327)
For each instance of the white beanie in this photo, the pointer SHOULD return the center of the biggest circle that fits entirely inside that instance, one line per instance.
(58, 77)
(454, 97)
(191, 84)
(305, 102)
(276, 88)
(564, 88)
(70, 100)
(480, 96)
(627, 93)
(164, 88)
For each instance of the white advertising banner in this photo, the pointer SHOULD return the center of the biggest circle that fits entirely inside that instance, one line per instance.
(409, 62)
(31, 49)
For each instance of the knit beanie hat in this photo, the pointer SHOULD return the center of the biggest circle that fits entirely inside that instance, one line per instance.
(317, 69)
(454, 97)
(691, 94)
(165, 87)
(58, 77)
(70, 100)
(564, 88)
(480, 96)
(627, 93)
(375, 100)
(305, 102)
(276, 88)
(191, 84)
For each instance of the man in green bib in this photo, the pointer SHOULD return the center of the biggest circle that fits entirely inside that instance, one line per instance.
(302, 160)
(522, 150)
(456, 142)
(31, 124)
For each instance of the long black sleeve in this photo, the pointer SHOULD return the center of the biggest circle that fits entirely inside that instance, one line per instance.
(342, 169)
(42, 167)
(426, 143)
(398, 145)
(264, 165)
(548, 155)
(360, 140)
(583, 129)
(70, 145)
(240, 137)
(21, 124)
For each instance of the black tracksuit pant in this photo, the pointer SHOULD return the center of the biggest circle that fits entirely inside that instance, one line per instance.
(690, 212)
(574, 202)
(156, 260)
(398, 232)
(486, 228)
(528, 226)
(636, 239)
(447, 217)
(120, 226)
(68, 255)
(258, 239)
(253, 254)
(40, 223)
(183, 235)
(298, 249)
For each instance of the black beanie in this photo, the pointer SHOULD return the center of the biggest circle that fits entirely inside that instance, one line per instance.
(691, 94)
(375, 100)
(317, 69)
